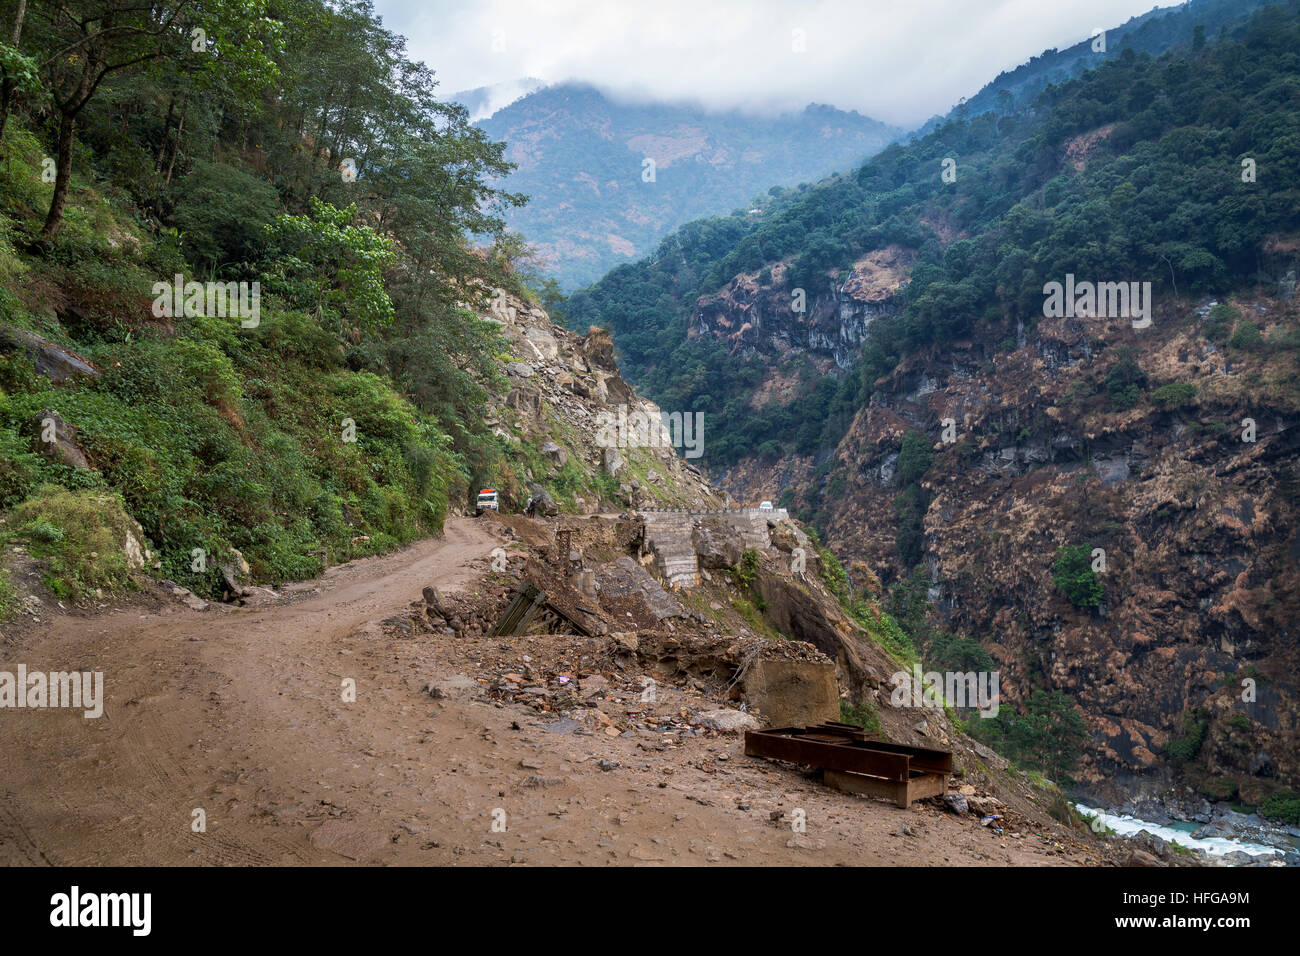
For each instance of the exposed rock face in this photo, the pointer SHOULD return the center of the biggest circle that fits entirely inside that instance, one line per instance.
(1200, 529)
(754, 318)
(681, 542)
(805, 613)
(566, 400)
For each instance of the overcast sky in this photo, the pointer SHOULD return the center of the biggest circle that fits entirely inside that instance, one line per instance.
(900, 61)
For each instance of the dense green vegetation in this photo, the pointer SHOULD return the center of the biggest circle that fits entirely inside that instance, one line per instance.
(1049, 736)
(1074, 577)
(914, 460)
(1161, 198)
(1185, 747)
(291, 144)
(1283, 805)
(881, 627)
(1152, 32)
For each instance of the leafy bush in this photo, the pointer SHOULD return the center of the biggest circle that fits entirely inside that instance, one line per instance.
(1247, 337)
(862, 714)
(914, 458)
(1283, 805)
(1219, 323)
(220, 211)
(952, 652)
(1125, 381)
(1074, 577)
(1174, 395)
(1048, 737)
(1186, 747)
(80, 537)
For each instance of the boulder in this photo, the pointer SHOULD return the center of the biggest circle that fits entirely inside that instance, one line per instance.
(793, 693)
(727, 721)
(598, 350)
(234, 574)
(433, 598)
(53, 361)
(545, 503)
(956, 803)
(717, 544)
(1141, 858)
(983, 806)
(625, 579)
(544, 343)
(613, 462)
(56, 439)
(555, 453)
(448, 688)
(525, 400)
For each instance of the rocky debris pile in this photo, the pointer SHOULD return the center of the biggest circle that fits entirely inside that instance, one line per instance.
(584, 687)
(632, 594)
(453, 615)
(965, 799)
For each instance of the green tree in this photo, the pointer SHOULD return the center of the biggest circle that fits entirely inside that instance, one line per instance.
(84, 42)
(1051, 733)
(329, 264)
(1074, 577)
(914, 458)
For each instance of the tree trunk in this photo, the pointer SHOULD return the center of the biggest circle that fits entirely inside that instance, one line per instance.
(6, 95)
(166, 136)
(176, 148)
(7, 89)
(62, 179)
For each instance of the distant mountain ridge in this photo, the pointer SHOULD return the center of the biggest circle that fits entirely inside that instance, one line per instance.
(1155, 31)
(483, 101)
(597, 203)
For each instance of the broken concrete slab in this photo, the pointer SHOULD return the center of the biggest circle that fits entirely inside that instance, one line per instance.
(793, 693)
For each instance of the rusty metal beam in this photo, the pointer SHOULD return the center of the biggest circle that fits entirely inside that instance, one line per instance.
(843, 747)
(851, 756)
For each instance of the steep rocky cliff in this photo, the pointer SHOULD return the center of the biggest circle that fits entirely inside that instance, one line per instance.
(1175, 450)
(562, 413)
(762, 317)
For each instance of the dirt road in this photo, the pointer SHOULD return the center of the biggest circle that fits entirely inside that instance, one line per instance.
(242, 716)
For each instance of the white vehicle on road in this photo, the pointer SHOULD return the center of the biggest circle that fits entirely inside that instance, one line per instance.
(487, 501)
(765, 506)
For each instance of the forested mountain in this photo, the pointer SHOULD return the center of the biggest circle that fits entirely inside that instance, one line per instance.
(1161, 196)
(595, 203)
(875, 352)
(1152, 32)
